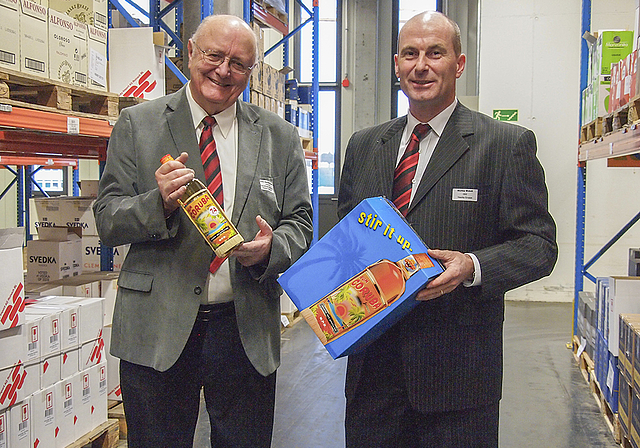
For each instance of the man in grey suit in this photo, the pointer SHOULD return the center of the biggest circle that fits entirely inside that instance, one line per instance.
(178, 327)
(479, 197)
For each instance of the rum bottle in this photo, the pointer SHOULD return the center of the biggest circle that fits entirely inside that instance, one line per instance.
(208, 217)
(362, 296)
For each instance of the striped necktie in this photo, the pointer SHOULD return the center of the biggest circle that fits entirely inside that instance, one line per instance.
(212, 172)
(406, 169)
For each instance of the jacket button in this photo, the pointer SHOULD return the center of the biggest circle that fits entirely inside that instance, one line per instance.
(197, 290)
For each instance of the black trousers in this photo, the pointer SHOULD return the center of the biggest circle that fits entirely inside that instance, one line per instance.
(162, 407)
(380, 415)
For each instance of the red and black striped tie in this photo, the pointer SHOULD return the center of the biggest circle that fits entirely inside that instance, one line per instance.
(406, 169)
(212, 172)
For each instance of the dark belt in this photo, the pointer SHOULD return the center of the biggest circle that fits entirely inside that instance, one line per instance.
(210, 311)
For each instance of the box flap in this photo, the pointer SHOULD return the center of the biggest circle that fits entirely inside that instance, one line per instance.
(12, 237)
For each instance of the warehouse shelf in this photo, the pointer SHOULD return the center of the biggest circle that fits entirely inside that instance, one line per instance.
(623, 142)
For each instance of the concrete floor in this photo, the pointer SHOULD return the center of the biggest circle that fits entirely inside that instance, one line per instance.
(546, 401)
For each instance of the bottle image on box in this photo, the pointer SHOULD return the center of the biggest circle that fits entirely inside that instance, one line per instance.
(362, 296)
(208, 217)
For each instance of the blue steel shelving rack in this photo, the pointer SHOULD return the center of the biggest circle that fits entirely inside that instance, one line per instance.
(613, 145)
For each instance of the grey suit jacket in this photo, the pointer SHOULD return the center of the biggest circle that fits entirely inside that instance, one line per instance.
(452, 346)
(164, 274)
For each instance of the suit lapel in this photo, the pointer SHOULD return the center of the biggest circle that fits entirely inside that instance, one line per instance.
(249, 138)
(385, 156)
(449, 149)
(180, 122)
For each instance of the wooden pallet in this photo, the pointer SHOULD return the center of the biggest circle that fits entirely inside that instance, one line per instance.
(24, 90)
(104, 436)
(273, 11)
(116, 411)
(592, 130)
(587, 369)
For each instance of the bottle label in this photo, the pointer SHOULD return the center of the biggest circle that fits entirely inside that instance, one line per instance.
(351, 304)
(211, 220)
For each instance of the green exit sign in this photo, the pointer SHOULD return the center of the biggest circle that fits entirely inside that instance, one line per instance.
(505, 114)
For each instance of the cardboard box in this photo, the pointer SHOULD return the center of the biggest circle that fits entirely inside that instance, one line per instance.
(81, 56)
(113, 368)
(90, 314)
(20, 425)
(4, 430)
(611, 47)
(92, 353)
(624, 298)
(34, 40)
(62, 47)
(12, 385)
(10, 34)
(369, 266)
(50, 370)
(624, 406)
(57, 255)
(93, 401)
(92, 251)
(136, 66)
(31, 338)
(69, 363)
(12, 350)
(65, 211)
(172, 82)
(66, 398)
(90, 12)
(634, 421)
(68, 323)
(48, 329)
(11, 281)
(97, 55)
(43, 418)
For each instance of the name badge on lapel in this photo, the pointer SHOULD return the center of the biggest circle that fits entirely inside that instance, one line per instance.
(465, 194)
(267, 185)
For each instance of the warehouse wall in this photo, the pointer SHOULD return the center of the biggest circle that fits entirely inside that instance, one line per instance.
(529, 60)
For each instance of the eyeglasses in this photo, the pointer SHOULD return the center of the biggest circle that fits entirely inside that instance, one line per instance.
(216, 59)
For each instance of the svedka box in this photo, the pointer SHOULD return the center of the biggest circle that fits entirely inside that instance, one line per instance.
(361, 277)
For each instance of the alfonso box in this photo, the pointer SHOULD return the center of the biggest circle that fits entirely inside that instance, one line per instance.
(361, 277)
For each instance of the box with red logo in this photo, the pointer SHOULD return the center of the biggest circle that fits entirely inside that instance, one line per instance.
(13, 385)
(90, 314)
(361, 277)
(93, 402)
(50, 370)
(48, 330)
(20, 424)
(43, 418)
(11, 281)
(66, 403)
(136, 65)
(92, 353)
(4, 431)
(69, 362)
(67, 323)
(113, 368)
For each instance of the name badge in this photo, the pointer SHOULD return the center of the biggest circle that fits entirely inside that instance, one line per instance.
(267, 185)
(465, 194)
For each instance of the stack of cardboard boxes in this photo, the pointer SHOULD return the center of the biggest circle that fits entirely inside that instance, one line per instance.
(267, 83)
(58, 39)
(53, 373)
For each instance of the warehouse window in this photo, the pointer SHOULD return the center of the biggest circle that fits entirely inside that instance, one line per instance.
(328, 104)
(405, 10)
(52, 180)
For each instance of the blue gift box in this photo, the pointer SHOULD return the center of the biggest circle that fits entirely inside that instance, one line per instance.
(373, 231)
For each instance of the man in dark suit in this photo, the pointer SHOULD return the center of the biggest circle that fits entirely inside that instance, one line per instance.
(478, 194)
(180, 324)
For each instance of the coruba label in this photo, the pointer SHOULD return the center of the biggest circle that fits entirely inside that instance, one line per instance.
(210, 219)
(349, 305)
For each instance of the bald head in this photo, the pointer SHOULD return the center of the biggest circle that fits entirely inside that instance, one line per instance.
(433, 18)
(226, 22)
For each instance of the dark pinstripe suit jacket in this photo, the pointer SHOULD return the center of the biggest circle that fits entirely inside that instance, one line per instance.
(451, 347)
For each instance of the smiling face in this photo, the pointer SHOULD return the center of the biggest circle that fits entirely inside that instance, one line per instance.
(428, 64)
(215, 88)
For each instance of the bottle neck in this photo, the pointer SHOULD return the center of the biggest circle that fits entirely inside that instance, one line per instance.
(411, 264)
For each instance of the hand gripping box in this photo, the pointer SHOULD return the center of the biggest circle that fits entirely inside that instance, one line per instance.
(361, 277)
